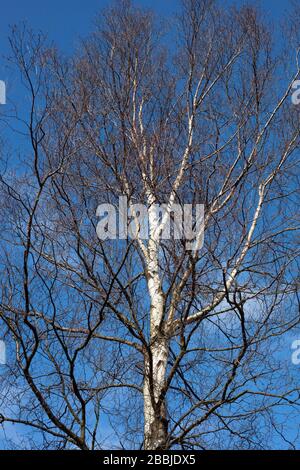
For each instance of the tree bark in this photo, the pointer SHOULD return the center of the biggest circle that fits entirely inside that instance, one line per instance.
(156, 358)
(155, 412)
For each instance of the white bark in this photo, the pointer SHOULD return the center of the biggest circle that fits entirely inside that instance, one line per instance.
(155, 428)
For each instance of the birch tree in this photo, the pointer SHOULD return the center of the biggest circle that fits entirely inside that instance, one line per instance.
(140, 342)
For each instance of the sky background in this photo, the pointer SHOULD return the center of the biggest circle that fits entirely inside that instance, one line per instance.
(64, 21)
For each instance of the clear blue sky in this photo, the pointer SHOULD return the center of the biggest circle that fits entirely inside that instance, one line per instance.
(64, 19)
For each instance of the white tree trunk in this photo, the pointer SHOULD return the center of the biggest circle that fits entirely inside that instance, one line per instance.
(155, 427)
(155, 422)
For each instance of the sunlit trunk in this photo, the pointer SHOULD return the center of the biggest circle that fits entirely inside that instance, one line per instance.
(155, 427)
(155, 421)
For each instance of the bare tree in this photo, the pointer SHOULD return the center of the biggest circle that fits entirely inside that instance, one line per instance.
(109, 334)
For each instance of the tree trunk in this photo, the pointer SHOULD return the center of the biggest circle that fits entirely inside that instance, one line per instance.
(155, 419)
(156, 357)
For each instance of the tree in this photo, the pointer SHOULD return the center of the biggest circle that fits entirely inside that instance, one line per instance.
(108, 334)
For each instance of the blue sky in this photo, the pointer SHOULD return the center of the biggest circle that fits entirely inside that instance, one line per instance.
(63, 20)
